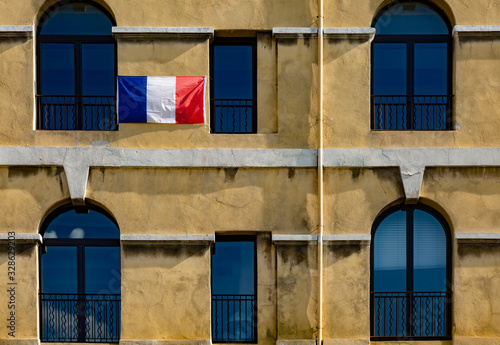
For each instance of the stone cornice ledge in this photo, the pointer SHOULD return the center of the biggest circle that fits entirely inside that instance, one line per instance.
(343, 239)
(477, 237)
(295, 32)
(16, 31)
(349, 33)
(167, 239)
(167, 342)
(21, 238)
(476, 31)
(135, 32)
(294, 239)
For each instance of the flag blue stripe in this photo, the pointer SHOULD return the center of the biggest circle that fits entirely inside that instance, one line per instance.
(132, 98)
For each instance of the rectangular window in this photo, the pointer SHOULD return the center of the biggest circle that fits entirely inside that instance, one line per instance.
(234, 302)
(233, 86)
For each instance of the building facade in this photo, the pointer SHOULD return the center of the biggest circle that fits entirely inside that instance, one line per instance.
(343, 188)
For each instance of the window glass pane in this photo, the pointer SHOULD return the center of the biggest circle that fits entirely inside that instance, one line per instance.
(389, 271)
(102, 270)
(82, 225)
(430, 68)
(76, 19)
(98, 69)
(233, 268)
(389, 69)
(233, 72)
(429, 253)
(410, 18)
(59, 270)
(58, 69)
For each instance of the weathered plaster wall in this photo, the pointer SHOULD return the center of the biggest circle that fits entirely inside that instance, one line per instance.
(16, 91)
(266, 290)
(26, 194)
(297, 279)
(469, 197)
(354, 198)
(25, 291)
(253, 15)
(475, 87)
(297, 79)
(202, 201)
(477, 290)
(346, 291)
(344, 13)
(165, 292)
(227, 14)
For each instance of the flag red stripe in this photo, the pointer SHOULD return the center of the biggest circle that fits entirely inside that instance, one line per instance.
(189, 100)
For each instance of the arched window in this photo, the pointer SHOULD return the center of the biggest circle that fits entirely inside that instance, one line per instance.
(411, 68)
(76, 68)
(80, 276)
(411, 275)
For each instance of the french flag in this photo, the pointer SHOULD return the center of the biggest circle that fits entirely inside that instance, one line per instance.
(161, 99)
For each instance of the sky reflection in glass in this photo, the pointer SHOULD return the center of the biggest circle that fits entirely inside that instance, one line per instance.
(410, 18)
(233, 268)
(76, 19)
(82, 225)
(390, 253)
(233, 72)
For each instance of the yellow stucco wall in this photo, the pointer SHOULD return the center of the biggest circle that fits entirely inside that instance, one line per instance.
(354, 198)
(165, 292)
(346, 291)
(21, 292)
(203, 201)
(165, 287)
(297, 283)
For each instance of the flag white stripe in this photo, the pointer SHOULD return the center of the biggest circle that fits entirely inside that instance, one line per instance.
(160, 103)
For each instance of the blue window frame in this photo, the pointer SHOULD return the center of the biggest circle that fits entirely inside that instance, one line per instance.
(411, 68)
(411, 275)
(233, 86)
(80, 276)
(234, 285)
(76, 68)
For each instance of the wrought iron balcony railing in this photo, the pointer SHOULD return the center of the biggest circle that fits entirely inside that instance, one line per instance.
(234, 319)
(80, 318)
(415, 315)
(89, 113)
(407, 112)
(234, 116)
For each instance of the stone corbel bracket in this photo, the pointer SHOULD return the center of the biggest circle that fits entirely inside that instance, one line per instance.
(142, 32)
(167, 239)
(76, 167)
(363, 34)
(294, 239)
(10, 31)
(412, 177)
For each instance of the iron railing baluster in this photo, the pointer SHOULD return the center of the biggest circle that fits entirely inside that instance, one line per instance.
(411, 112)
(75, 318)
(238, 317)
(94, 113)
(232, 115)
(428, 315)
